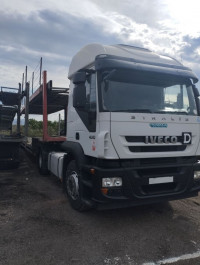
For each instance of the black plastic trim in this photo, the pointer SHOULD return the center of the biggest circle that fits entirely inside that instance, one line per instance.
(135, 174)
(128, 63)
(74, 150)
(163, 148)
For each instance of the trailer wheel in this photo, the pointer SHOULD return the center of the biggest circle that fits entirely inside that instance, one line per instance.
(73, 188)
(42, 163)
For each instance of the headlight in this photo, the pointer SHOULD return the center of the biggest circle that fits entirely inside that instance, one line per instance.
(196, 175)
(111, 182)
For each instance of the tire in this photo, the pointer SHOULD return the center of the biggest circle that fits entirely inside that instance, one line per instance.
(16, 158)
(42, 163)
(74, 189)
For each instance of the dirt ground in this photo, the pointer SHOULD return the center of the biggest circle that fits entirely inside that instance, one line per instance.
(38, 226)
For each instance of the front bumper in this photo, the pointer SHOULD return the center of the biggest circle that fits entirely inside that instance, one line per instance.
(136, 189)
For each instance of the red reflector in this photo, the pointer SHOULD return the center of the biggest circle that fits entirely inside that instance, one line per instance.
(104, 191)
(92, 171)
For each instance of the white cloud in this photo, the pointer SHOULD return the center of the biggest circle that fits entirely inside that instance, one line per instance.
(184, 16)
(56, 30)
(8, 74)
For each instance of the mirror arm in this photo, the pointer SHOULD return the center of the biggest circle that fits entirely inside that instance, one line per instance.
(196, 91)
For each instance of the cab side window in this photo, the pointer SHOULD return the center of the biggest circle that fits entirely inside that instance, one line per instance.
(91, 92)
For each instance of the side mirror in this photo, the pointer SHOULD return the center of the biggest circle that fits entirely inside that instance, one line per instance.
(79, 78)
(79, 96)
(196, 91)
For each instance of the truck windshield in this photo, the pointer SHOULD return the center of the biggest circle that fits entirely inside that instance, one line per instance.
(137, 91)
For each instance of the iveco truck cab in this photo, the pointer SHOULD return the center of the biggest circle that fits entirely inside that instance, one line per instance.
(133, 129)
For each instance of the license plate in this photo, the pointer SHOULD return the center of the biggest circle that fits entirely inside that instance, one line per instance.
(161, 180)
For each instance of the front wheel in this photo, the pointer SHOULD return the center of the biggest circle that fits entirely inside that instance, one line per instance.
(42, 163)
(74, 189)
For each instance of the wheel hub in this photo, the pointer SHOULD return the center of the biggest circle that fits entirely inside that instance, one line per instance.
(72, 186)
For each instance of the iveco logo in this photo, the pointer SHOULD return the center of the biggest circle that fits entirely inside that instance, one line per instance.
(186, 138)
(158, 125)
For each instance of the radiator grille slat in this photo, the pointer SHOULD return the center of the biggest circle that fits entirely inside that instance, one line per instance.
(166, 148)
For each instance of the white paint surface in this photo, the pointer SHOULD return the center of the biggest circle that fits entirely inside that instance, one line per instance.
(161, 180)
(175, 259)
(128, 260)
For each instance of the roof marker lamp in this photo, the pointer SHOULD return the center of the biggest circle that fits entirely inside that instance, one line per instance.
(111, 182)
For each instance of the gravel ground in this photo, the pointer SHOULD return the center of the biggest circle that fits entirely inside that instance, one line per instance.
(38, 226)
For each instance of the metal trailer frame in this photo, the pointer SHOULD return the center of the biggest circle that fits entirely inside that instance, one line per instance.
(45, 100)
(46, 137)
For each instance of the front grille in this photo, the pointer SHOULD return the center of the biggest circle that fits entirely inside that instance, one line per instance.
(159, 188)
(138, 181)
(135, 139)
(158, 162)
(167, 148)
(141, 139)
(168, 160)
(158, 171)
(161, 161)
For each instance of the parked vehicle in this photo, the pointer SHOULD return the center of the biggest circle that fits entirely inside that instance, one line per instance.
(10, 141)
(132, 129)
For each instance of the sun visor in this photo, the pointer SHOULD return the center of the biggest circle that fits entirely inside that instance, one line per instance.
(106, 62)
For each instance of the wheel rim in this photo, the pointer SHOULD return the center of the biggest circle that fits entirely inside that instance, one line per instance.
(72, 185)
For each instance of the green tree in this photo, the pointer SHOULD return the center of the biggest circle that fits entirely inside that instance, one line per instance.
(36, 128)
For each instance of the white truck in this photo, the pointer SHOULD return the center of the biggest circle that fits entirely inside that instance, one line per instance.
(133, 130)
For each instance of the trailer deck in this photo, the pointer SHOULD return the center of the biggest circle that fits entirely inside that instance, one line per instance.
(57, 99)
(45, 100)
(7, 114)
(10, 98)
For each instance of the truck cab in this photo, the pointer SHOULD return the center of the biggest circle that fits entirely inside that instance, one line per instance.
(132, 128)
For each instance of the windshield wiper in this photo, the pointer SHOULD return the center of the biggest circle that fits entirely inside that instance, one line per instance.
(171, 112)
(109, 74)
(134, 110)
(152, 111)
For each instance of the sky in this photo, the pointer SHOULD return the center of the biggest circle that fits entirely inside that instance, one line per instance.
(56, 30)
